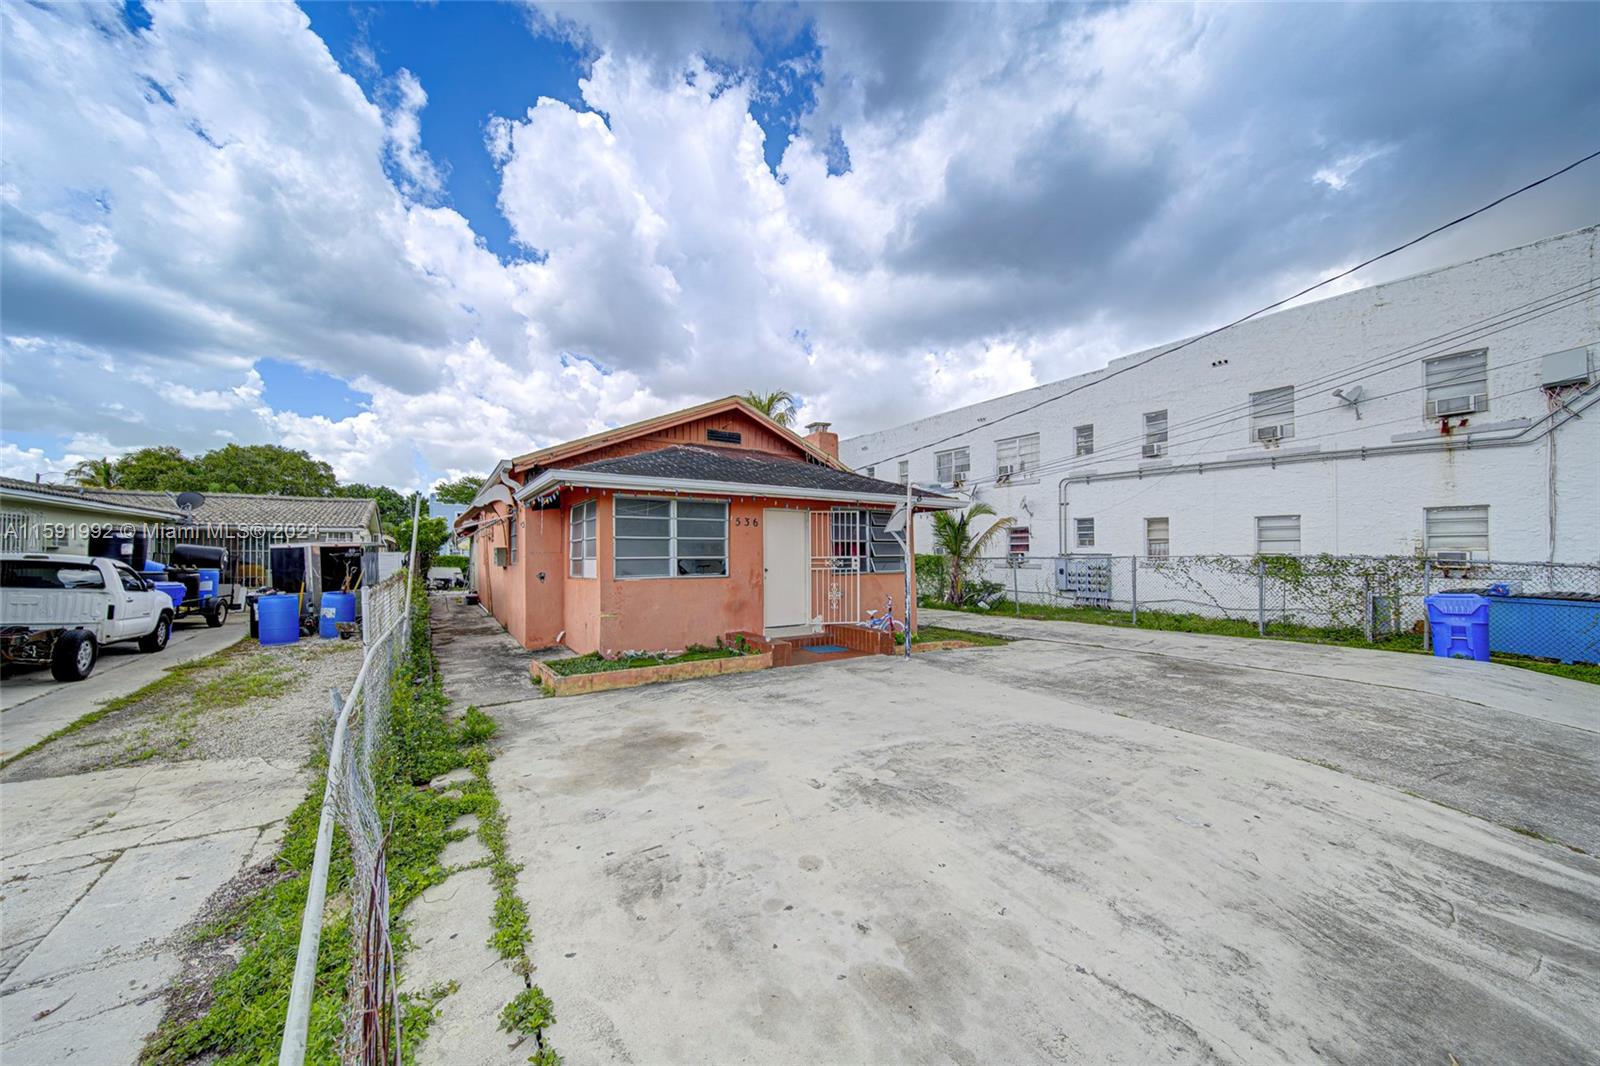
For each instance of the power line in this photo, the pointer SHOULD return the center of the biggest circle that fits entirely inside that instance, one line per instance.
(1253, 314)
(1486, 327)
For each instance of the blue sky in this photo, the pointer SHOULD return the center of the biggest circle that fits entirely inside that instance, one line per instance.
(414, 238)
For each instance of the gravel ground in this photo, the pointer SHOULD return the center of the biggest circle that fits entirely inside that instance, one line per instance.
(249, 701)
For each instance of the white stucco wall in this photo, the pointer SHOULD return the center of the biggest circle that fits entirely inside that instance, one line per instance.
(1360, 486)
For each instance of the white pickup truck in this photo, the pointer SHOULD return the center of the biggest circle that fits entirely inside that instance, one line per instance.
(62, 609)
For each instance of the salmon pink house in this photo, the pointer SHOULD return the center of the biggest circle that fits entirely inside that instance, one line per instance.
(683, 528)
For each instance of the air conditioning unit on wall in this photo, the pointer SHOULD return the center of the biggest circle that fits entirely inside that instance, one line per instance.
(1269, 434)
(500, 556)
(1154, 451)
(1457, 405)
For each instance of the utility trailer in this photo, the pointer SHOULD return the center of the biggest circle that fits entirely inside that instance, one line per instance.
(199, 568)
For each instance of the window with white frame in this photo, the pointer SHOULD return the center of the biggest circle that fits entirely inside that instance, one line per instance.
(1272, 415)
(904, 474)
(1083, 440)
(1083, 532)
(953, 465)
(582, 528)
(1456, 533)
(1155, 434)
(1017, 457)
(872, 471)
(670, 537)
(1456, 384)
(1278, 534)
(511, 533)
(1156, 540)
(865, 535)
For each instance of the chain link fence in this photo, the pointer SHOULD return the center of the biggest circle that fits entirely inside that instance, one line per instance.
(1547, 611)
(350, 797)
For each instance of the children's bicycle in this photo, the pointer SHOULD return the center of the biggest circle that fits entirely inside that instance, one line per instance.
(885, 620)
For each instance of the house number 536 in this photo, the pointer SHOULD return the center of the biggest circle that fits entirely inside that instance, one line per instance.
(747, 521)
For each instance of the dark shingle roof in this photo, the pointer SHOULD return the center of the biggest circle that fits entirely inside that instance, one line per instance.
(726, 466)
(144, 501)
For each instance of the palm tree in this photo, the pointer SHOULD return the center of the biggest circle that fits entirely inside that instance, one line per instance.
(777, 405)
(94, 473)
(956, 541)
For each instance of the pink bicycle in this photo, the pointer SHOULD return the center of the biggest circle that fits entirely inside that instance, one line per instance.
(885, 620)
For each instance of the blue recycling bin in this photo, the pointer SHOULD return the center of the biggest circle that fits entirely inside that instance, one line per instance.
(1459, 622)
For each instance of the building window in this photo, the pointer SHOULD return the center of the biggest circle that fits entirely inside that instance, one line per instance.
(670, 538)
(1272, 415)
(1083, 532)
(1278, 534)
(1155, 434)
(872, 471)
(13, 531)
(1155, 537)
(1083, 440)
(864, 535)
(953, 465)
(1021, 538)
(1017, 457)
(1457, 533)
(582, 528)
(1456, 384)
(905, 471)
(511, 534)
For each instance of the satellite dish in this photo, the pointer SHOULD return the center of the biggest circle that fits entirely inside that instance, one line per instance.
(190, 501)
(897, 520)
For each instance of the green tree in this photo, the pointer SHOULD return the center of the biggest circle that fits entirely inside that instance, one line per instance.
(263, 468)
(394, 507)
(777, 405)
(95, 473)
(461, 490)
(161, 469)
(960, 545)
(431, 532)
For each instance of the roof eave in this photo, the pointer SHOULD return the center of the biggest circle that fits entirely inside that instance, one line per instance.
(592, 479)
(86, 503)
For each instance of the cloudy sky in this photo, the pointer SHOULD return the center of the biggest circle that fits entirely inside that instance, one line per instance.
(413, 239)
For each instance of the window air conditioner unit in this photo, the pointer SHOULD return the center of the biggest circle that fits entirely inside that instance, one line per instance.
(500, 557)
(1269, 434)
(1452, 557)
(1457, 405)
(1154, 451)
(1006, 470)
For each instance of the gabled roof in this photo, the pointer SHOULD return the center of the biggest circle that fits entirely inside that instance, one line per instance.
(687, 467)
(249, 509)
(545, 457)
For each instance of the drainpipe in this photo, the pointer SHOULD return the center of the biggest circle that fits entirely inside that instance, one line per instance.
(1062, 537)
(911, 560)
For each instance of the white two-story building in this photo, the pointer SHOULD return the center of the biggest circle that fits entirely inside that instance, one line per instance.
(1452, 413)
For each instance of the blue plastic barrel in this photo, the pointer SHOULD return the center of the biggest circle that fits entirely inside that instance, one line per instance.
(174, 590)
(210, 582)
(1460, 625)
(278, 619)
(153, 567)
(336, 607)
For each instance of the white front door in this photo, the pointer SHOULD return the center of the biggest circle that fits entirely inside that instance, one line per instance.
(786, 584)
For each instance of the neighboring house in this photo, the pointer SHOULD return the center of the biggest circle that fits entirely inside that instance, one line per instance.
(1453, 413)
(457, 544)
(679, 529)
(35, 517)
(247, 525)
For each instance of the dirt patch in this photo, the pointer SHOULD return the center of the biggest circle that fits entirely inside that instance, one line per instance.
(246, 700)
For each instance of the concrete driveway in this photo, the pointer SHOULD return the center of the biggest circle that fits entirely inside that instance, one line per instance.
(33, 704)
(1036, 853)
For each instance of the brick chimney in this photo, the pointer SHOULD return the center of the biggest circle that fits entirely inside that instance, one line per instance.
(819, 436)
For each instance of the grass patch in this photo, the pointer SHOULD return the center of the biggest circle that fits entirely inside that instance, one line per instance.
(243, 1012)
(595, 663)
(931, 634)
(174, 682)
(1175, 622)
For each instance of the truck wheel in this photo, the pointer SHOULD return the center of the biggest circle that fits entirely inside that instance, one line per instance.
(73, 657)
(218, 614)
(156, 639)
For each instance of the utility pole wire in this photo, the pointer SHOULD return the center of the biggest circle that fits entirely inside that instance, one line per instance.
(1259, 311)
